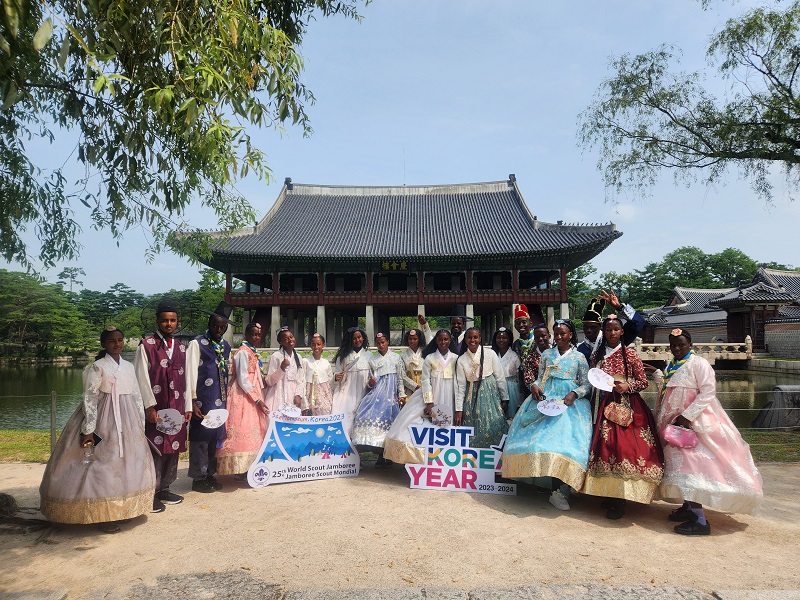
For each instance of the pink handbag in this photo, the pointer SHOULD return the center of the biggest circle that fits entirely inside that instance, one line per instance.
(680, 437)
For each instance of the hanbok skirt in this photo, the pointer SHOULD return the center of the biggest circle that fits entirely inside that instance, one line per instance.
(625, 462)
(542, 446)
(514, 397)
(482, 412)
(245, 429)
(348, 394)
(111, 487)
(320, 398)
(375, 414)
(399, 446)
(719, 472)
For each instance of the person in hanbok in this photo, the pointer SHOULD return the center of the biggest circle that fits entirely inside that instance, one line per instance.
(101, 470)
(625, 461)
(247, 410)
(286, 380)
(480, 391)
(412, 360)
(160, 365)
(378, 409)
(532, 355)
(501, 344)
(432, 403)
(319, 375)
(208, 367)
(555, 446)
(351, 373)
(718, 472)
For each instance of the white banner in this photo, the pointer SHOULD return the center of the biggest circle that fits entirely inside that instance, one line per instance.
(453, 466)
(303, 448)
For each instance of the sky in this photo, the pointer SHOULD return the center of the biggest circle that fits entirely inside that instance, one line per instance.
(458, 91)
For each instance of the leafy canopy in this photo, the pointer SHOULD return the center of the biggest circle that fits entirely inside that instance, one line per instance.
(159, 93)
(648, 118)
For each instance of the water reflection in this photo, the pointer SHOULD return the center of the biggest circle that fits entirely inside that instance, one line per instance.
(25, 394)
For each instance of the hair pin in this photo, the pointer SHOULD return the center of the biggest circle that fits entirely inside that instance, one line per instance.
(676, 332)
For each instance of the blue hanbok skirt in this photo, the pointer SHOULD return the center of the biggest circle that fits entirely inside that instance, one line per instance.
(482, 411)
(542, 446)
(375, 414)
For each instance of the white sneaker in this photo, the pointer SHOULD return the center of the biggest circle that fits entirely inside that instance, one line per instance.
(559, 500)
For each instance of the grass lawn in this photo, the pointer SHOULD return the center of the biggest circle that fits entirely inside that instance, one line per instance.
(34, 445)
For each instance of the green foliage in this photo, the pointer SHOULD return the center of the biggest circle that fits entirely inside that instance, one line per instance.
(159, 94)
(580, 290)
(648, 118)
(40, 316)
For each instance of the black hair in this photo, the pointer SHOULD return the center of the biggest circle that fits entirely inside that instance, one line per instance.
(420, 335)
(320, 336)
(346, 347)
(569, 325)
(601, 349)
(252, 325)
(683, 333)
(278, 337)
(104, 336)
(498, 332)
(432, 346)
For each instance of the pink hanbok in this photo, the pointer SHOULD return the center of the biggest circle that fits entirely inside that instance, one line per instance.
(247, 423)
(719, 472)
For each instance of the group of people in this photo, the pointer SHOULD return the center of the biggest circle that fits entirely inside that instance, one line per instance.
(601, 443)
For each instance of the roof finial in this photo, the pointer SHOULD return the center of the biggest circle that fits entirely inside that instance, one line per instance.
(288, 183)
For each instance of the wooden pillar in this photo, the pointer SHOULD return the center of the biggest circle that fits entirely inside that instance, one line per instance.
(563, 286)
(227, 287)
(515, 285)
(469, 286)
(420, 287)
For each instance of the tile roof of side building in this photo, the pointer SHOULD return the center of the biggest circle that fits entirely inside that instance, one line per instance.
(788, 280)
(343, 222)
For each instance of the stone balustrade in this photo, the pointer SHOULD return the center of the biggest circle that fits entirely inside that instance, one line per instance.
(708, 350)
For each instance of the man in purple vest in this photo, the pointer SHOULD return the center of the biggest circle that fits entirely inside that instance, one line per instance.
(160, 366)
(208, 361)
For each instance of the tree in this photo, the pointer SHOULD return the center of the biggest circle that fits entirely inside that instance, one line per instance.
(159, 94)
(647, 118)
(71, 274)
(731, 267)
(580, 289)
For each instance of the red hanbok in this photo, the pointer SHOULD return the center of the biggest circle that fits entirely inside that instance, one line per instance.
(624, 461)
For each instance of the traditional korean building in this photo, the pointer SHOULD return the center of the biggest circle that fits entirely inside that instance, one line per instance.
(324, 256)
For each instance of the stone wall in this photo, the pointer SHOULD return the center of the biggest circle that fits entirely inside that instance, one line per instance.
(783, 338)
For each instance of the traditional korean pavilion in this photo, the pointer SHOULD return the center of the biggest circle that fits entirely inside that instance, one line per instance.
(324, 256)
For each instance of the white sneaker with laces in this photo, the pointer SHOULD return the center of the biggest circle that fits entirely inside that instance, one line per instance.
(559, 500)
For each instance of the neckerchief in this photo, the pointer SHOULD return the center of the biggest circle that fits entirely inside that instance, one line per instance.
(258, 356)
(674, 365)
(526, 346)
(219, 350)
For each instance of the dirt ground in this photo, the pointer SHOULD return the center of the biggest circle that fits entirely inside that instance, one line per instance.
(375, 532)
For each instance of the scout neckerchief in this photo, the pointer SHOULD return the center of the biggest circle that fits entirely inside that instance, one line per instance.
(219, 350)
(673, 367)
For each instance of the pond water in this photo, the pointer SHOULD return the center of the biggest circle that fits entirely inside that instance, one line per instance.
(25, 394)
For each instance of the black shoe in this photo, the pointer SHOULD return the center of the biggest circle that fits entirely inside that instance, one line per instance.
(616, 509)
(693, 528)
(168, 497)
(381, 462)
(212, 481)
(158, 505)
(202, 486)
(681, 515)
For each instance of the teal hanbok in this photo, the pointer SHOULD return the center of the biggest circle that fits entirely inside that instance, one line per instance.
(558, 446)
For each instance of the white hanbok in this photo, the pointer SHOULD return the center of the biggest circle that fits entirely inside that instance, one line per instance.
(284, 386)
(438, 387)
(352, 387)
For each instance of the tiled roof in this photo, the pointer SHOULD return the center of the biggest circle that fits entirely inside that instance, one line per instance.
(468, 220)
(758, 292)
(693, 300)
(788, 280)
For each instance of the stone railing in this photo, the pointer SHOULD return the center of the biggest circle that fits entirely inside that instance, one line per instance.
(708, 350)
